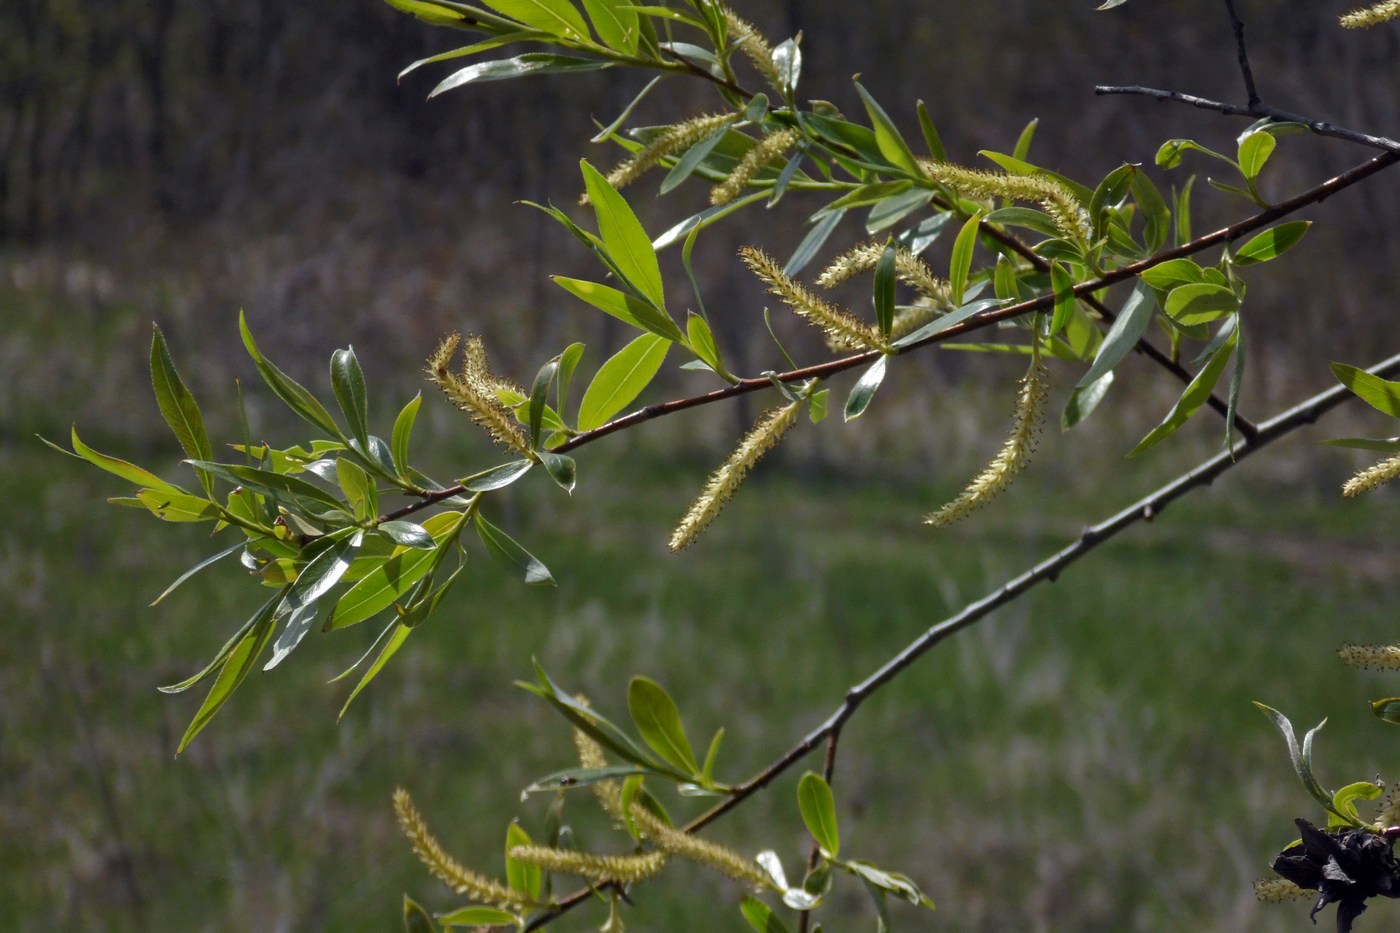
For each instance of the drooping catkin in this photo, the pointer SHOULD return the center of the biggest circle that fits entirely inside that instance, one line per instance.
(689, 846)
(1014, 454)
(1369, 479)
(1279, 890)
(754, 46)
(591, 865)
(1373, 15)
(773, 146)
(726, 480)
(1371, 657)
(457, 876)
(474, 389)
(908, 268)
(677, 138)
(843, 330)
(1063, 208)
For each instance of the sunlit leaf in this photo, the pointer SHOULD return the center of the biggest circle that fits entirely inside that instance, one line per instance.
(511, 555)
(1381, 394)
(818, 808)
(659, 723)
(864, 389)
(623, 237)
(1271, 243)
(621, 379)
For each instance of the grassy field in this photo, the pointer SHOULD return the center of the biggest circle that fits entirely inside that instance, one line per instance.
(1086, 759)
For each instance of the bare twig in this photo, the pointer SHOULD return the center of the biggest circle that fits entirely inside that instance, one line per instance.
(1245, 70)
(825, 370)
(1320, 127)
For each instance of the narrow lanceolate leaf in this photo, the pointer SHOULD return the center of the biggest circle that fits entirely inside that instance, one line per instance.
(864, 389)
(208, 561)
(616, 23)
(961, 263)
(497, 477)
(1063, 284)
(1381, 394)
(1200, 303)
(407, 534)
(395, 642)
(624, 307)
(562, 469)
(403, 431)
(178, 406)
(1272, 242)
(517, 67)
(556, 17)
(931, 138)
(539, 397)
(524, 877)
(291, 392)
(1191, 400)
(1254, 151)
(892, 145)
(324, 571)
(818, 808)
(377, 590)
(760, 916)
(127, 471)
(659, 723)
(623, 237)
(235, 666)
(1300, 756)
(511, 555)
(702, 341)
(479, 917)
(884, 290)
(621, 379)
(297, 625)
(178, 507)
(1132, 323)
(348, 381)
(415, 918)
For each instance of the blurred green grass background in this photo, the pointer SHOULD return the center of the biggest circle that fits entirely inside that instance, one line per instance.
(1085, 759)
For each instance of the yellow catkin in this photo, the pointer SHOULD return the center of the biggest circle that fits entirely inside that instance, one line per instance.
(908, 268)
(1279, 890)
(773, 146)
(688, 846)
(676, 139)
(458, 877)
(591, 865)
(1371, 657)
(754, 46)
(725, 481)
(1012, 458)
(590, 755)
(474, 389)
(1366, 480)
(1063, 208)
(1373, 15)
(843, 330)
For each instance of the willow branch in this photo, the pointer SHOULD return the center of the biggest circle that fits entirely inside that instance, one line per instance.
(1320, 127)
(1047, 571)
(1245, 71)
(991, 316)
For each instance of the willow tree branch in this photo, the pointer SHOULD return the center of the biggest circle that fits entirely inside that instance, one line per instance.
(1245, 71)
(830, 368)
(1320, 127)
(1047, 571)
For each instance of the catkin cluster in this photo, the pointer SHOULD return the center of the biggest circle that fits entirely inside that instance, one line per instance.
(1058, 202)
(670, 141)
(844, 331)
(1373, 15)
(1369, 479)
(475, 390)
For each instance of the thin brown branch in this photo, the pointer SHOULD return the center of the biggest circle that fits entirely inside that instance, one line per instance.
(1245, 71)
(1320, 127)
(830, 368)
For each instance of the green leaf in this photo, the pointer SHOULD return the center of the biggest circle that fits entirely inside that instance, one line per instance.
(812, 242)
(1254, 151)
(1301, 757)
(707, 770)
(403, 430)
(1155, 214)
(213, 559)
(891, 881)
(884, 290)
(818, 808)
(702, 341)
(622, 306)
(323, 572)
(291, 392)
(562, 469)
(864, 389)
(235, 666)
(1381, 394)
(415, 918)
(570, 778)
(1126, 331)
(298, 624)
(524, 877)
(1272, 242)
(961, 263)
(616, 24)
(1170, 153)
(659, 723)
(348, 381)
(621, 379)
(1016, 166)
(178, 507)
(539, 398)
(1387, 709)
(407, 534)
(595, 725)
(1385, 445)
(1062, 283)
(517, 67)
(511, 555)
(568, 361)
(272, 484)
(556, 17)
(358, 487)
(1199, 304)
(931, 137)
(1084, 399)
(892, 145)
(498, 477)
(127, 471)
(690, 160)
(623, 237)
(478, 917)
(1172, 273)
(817, 405)
(377, 590)
(891, 210)
(760, 916)
(1027, 217)
(1344, 802)
(391, 647)
(1191, 400)
(177, 405)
